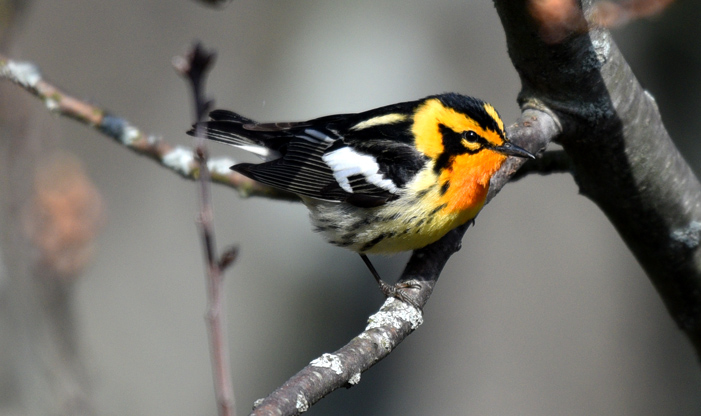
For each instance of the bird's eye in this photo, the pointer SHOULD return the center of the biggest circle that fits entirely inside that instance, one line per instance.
(470, 136)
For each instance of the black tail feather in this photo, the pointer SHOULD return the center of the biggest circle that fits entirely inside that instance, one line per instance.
(226, 131)
(226, 115)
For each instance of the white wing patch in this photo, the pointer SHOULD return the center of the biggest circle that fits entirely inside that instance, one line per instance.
(263, 152)
(319, 136)
(346, 162)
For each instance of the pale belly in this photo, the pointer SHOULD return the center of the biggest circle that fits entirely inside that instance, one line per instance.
(384, 230)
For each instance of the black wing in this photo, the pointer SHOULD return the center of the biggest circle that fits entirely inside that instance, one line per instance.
(326, 158)
(303, 168)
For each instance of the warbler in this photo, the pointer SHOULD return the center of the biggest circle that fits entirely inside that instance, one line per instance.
(391, 179)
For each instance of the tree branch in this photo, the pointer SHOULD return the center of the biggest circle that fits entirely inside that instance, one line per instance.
(554, 161)
(534, 130)
(623, 158)
(178, 159)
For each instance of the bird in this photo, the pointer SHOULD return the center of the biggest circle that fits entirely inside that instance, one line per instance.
(391, 179)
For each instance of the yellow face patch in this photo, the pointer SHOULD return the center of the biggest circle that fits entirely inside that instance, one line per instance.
(432, 114)
(470, 145)
(380, 120)
(493, 113)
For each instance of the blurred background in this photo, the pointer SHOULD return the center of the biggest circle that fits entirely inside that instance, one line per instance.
(543, 312)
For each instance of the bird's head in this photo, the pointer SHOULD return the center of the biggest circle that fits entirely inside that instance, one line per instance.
(464, 139)
(455, 130)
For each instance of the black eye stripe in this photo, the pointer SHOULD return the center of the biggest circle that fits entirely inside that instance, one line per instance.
(453, 146)
(452, 140)
(481, 140)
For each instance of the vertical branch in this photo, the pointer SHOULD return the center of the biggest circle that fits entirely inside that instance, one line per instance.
(195, 67)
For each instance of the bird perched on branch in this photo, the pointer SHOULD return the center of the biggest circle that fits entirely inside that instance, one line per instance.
(391, 179)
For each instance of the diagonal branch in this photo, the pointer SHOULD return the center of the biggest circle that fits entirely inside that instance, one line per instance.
(178, 159)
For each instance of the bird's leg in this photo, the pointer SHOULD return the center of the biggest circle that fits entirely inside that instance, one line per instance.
(395, 291)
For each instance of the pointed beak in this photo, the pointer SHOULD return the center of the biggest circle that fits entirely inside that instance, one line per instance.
(511, 149)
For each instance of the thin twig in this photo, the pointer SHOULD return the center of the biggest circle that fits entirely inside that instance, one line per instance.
(178, 159)
(194, 67)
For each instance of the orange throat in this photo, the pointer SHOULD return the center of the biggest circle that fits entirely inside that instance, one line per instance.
(469, 177)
